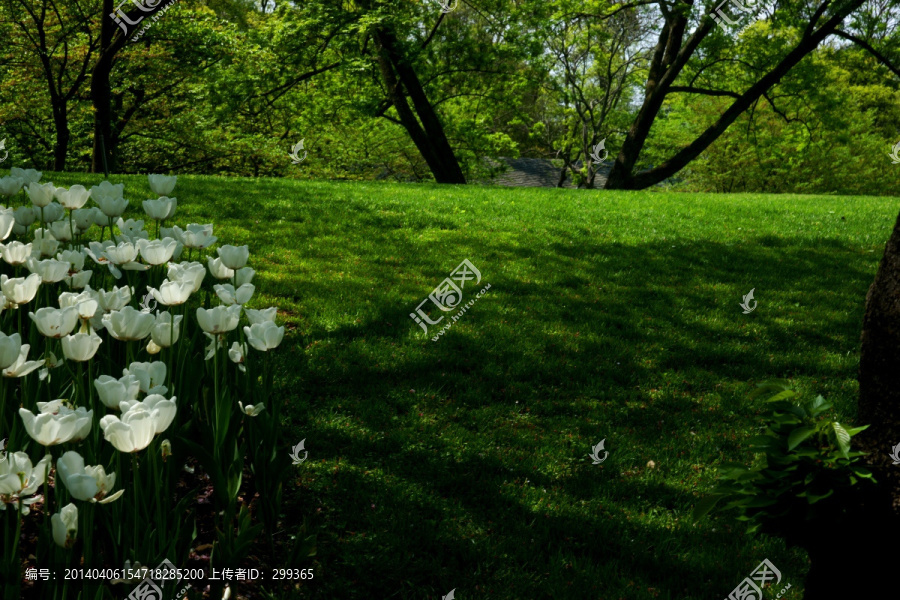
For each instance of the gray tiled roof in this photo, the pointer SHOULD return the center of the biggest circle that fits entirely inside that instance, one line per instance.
(538, 172)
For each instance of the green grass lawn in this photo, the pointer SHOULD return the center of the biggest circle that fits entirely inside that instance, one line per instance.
(463, 463)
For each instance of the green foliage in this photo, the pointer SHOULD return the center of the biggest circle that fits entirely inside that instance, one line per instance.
(807, 474)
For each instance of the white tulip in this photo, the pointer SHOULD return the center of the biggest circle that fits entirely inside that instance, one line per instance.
(162, 185)
(20, 290)
(172, 293)
(44, 244)
(128, 324)
(73, 198)
(51, 213)
(22, 367)
(24, 216)
(26, 175)
(140, 421)
(218, 269)
(81, 346)
(19, 479)
(55, 322)
(7, 221)
(57, 423)
(252, 409)
(234, 257)
(114, 299)
(15, 253)
(41, 194)
(260, 316)
(84, 218)
(124, 252)
(10, 186)
(65, 526)
(219, 319)
(190, 272)
(73, 257)
(162, 409)
(161, 209)
(150, 375)
(109, 199)
(264, 336)
(228, 295)
(196, 236)
(132, 230)
(113, 391)
(163, 330)
(85, 482)
(10, 346)
(237, 353)
(79, 280)
(62, 231)
(50, 270)
(244, 276)
(157, 252)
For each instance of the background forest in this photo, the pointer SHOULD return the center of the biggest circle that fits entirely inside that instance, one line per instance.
(230, 87)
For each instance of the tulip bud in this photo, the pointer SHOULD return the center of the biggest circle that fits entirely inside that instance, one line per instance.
(166, 449)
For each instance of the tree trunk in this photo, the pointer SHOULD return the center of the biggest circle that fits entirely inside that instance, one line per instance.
(429, 136)
(101, 92)
(879, 369)
(61, 123)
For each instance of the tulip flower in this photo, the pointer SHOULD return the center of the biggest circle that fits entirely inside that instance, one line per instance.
(79, 280)
(113, 391)
(260, 316)
(140, 421)
(55, 322)
(86, 302)
(10, 186)
(234, 257)
(51, 213)
(264, 336)
(20, 290)
(19, 479)
(151, 375)
(161, 209)
(56, 423)
(157, 252)
(228, 295)
(192, 272)
(65, 526)
(162, 185)
(81, 346)
(243, 276)
(114, 299)
(73, 198)
(74, 257)
(41, 194)
(237, 353)
(219, 319)
(62, 231)
(196, 236)
(218, 269)
(164, 333)
(84, 218)
(86, 482)
(22, 367)
(252, 409)
(44, 244)
(109, 198)
(7, 220)
(50, 270)
(133, 230)
(26, 175)
(10, 346)
(24, 216)
(128, 324)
